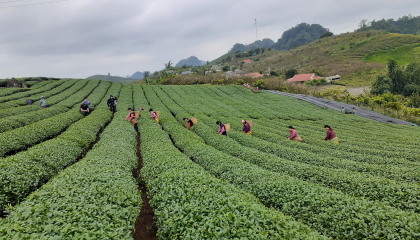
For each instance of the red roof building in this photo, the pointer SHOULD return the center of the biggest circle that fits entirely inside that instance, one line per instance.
(302, 78)
(247, 61)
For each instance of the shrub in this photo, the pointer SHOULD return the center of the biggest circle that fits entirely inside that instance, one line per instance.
(240, 82)
(259, 83)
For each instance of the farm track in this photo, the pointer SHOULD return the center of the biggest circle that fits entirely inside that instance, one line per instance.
(144, 228)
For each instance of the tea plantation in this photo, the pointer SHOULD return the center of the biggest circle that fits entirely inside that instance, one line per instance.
(65, 176)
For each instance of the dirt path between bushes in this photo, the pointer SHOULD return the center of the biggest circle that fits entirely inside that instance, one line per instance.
(144, 228)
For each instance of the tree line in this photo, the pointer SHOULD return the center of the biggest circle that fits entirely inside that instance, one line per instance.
(403, 25)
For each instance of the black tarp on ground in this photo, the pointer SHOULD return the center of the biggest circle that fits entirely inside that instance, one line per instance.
(326, 103)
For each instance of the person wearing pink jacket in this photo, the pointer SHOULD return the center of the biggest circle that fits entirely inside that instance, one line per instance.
(153, 115)
(222, 129)
(294, 135)
(331, 136)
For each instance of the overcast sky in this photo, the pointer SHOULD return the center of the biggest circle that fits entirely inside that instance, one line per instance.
(80, 38)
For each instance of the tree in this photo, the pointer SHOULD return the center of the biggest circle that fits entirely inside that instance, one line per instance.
(168, 65)
(273, 73)
(226, 68)
(291, 73)
(146, 74)
(327, 34)
(381, 85)
(410, 89)
(228, 58)
(363, 23)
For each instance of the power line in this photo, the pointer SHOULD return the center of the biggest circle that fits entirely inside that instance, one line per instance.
(32, 4)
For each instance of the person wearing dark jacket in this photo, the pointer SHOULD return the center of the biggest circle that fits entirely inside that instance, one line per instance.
(190, 123)
(111, 104)
(247, 128)
(222, 129)
(84, 109)
(331, 136)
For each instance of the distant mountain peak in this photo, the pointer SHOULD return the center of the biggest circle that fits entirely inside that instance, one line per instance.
(191, 61)
(137, 75)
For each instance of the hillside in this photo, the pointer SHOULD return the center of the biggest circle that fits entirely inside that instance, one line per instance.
(354, 56)
(111, 78)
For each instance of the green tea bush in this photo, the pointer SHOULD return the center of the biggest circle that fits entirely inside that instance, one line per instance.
(24, 137)
(45, 88)
(96, 198)
(28, 170)
(189, 203)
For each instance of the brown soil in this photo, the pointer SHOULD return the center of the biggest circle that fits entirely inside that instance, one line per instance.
(144, 228)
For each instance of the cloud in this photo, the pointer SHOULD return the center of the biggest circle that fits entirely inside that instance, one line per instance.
(79, 38)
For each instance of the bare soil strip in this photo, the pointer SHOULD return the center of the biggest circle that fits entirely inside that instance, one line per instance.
(144, 228)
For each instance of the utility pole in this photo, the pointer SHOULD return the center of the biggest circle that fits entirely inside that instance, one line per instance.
(256, 33)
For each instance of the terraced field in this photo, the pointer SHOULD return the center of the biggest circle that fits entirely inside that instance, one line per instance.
(68, 177)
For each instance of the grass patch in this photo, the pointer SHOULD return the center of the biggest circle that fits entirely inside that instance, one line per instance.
(361, 79)
(403, 55)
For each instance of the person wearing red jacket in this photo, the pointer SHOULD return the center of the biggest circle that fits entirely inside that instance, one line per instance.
(132, 118)
(131, 115)
(331, 136)
(190, 123)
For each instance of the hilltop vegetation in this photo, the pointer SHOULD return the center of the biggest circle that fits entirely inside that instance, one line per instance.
(300, 35)
(265, 43)
(404, 25)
